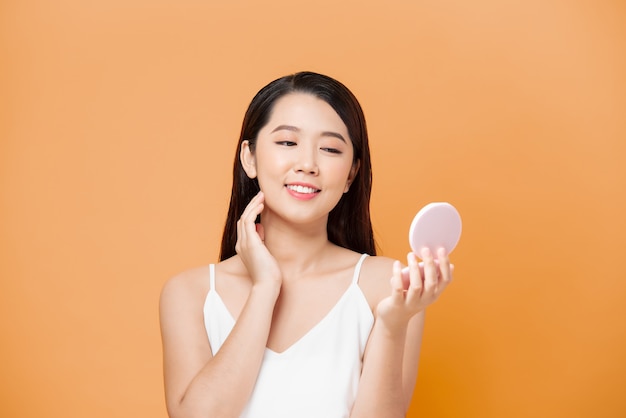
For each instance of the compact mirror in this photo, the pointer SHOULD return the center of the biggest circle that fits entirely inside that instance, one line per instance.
(436, 225)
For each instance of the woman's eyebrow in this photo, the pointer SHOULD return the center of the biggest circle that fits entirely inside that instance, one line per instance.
(296, 129)
(334, 135)
(286, 128)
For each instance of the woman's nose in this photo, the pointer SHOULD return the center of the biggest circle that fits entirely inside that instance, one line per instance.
(307, 161)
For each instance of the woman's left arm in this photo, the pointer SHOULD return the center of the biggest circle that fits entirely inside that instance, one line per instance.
(392, 353)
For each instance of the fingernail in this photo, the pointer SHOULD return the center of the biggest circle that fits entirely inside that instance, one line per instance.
(441, 252)
(425, 252)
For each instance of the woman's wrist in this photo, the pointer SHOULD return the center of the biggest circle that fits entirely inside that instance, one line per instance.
(267, 288)
(393, 329)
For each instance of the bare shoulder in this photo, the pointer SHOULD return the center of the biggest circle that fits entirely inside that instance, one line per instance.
(374, 279)
(184, 295)
(186, 285)
(182, 298)
(378, 264)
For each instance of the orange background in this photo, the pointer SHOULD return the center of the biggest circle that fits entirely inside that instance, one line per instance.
(118, 126)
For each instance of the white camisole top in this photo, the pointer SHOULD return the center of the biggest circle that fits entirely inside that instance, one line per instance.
(317, 376)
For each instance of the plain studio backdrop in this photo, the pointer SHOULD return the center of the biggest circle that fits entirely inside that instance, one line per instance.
(118, 126)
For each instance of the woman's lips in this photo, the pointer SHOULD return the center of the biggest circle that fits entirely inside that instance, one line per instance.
(302, 191)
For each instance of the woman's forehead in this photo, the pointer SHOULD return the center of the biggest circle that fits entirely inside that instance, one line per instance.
(304, 112)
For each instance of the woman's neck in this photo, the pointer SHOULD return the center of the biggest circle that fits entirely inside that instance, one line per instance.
(297, 250)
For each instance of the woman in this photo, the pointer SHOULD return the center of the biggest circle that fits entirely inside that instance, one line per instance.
(296, 320)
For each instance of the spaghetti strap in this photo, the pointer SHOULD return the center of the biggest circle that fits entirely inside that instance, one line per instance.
(212, 277)
(357, 269)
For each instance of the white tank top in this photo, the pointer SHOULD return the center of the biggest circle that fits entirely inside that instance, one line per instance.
(317, 376)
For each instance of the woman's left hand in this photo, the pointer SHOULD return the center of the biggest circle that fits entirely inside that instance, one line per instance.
(423, 289)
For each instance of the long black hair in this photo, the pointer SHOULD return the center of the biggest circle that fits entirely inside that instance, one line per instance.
(349, 223)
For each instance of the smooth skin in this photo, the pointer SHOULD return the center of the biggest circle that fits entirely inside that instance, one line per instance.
(286, 276)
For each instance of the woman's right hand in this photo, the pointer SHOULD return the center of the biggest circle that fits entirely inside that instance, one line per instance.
(261, 265)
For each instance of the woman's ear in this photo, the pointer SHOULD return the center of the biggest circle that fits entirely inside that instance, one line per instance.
(353, 172)
(248, 160)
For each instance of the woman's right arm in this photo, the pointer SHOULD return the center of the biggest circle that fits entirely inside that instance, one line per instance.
(196, 383)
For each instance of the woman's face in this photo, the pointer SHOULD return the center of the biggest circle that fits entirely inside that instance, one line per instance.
(303, 159)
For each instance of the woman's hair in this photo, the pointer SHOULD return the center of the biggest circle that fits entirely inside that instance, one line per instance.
(349, 223)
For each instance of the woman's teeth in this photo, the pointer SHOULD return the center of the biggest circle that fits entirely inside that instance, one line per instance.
(301, 189)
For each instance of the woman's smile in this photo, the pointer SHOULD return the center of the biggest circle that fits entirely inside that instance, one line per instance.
(302, 191)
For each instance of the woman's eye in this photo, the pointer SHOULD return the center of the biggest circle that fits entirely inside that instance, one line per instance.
(332, 150)
(286, 143)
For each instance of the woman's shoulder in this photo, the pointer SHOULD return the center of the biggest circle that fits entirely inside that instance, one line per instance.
(198, 278)
(186, 284)
(377, 264)
(193, 285)
(372, 268)
(374, 278)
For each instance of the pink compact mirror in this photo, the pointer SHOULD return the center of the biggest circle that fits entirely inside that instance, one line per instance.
(436, 225)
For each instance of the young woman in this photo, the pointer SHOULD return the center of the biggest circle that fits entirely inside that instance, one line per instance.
(296, 320)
